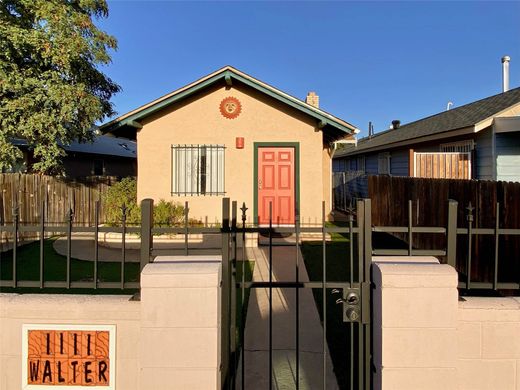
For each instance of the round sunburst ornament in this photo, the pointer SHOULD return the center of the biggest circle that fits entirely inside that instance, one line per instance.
(230, 107)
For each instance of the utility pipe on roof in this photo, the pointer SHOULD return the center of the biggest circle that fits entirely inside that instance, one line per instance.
(505, 73)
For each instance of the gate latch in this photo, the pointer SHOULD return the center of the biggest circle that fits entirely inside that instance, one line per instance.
(351, 301)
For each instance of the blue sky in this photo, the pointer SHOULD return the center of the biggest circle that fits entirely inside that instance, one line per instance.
(368, 61)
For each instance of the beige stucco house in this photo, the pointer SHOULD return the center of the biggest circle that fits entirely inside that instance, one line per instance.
(229, 134)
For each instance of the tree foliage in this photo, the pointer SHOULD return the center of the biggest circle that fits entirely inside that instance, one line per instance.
(51, 90)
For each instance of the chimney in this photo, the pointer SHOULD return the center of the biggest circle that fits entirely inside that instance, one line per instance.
(505, 73)
(313, 99)
(396, 123)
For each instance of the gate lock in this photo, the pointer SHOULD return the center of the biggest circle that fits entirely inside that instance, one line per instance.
(351, 301)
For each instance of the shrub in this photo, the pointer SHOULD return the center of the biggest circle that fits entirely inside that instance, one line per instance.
(125, 192)
(167, 214)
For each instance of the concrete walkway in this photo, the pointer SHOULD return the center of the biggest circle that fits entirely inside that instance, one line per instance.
(284, 328)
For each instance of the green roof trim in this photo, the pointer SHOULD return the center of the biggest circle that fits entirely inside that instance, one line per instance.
(228, 76)
(132, 123)
(229, 81)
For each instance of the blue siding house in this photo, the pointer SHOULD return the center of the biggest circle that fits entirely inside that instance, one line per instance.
(480, 140)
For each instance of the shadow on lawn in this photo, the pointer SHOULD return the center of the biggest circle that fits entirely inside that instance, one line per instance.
(55, 269)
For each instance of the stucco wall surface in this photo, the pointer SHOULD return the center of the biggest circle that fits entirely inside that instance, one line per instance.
(262, 119)
(488, 338)
(118, 310)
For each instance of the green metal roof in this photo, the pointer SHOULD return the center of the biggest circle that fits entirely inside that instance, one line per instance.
(229, 75)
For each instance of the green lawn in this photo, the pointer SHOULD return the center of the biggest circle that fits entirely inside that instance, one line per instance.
(28, 268)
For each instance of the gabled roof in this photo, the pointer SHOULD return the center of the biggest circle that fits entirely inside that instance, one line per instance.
(467, 116)
(229, 75)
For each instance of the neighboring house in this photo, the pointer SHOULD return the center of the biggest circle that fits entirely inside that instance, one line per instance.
(105, 156)
(229, 134)
(480, 140)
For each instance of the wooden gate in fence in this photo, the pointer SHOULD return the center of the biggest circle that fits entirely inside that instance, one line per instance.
(443, 165)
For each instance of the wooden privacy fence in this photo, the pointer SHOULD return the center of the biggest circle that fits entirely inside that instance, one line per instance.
(489, 207)
(29, 192)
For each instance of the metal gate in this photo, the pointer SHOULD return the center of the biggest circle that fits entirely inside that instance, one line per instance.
(352, 294)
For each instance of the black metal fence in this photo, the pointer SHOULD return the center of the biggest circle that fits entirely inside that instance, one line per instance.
(353, 294)
(69, 230)
(459, 248)
(471, 225)
(354, 290)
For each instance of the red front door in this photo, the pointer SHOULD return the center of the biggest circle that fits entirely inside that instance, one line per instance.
(276, 185)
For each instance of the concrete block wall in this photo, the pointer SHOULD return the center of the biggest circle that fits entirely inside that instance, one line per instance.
(168, 340)
(488, 336)
(426, 338)
(415, 324)
(180, 326)
(118, 310)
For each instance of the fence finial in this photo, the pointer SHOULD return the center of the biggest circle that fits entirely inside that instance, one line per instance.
(244, 209)
(470, 209)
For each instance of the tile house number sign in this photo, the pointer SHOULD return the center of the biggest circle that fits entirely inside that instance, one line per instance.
(68, 356)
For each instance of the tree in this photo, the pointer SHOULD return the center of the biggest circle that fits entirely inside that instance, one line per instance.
(51, 90)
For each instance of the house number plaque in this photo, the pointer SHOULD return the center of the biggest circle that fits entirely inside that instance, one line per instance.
(68, 356)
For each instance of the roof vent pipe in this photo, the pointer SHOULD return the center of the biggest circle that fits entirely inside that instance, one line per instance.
(505, 73)
(396, 123)
(449, 105)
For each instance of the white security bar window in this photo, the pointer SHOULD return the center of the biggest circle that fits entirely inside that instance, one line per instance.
(198, 170)
(465, 146)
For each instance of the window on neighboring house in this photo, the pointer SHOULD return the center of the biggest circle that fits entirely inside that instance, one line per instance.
(361, 164)
(198, 169)
(98, 168)
(465, 146)
(383, 163)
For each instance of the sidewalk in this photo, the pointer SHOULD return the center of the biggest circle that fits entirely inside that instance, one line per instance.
(284, 328)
